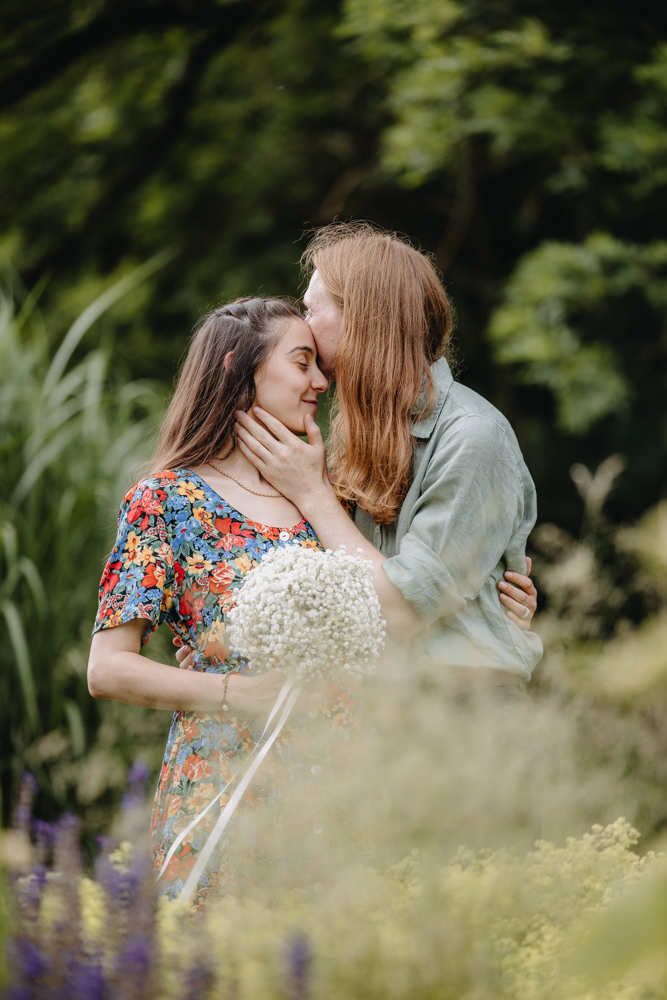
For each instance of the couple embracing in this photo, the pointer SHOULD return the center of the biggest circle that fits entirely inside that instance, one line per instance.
(423, 476)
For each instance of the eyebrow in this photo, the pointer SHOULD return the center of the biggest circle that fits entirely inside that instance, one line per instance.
(304, 348)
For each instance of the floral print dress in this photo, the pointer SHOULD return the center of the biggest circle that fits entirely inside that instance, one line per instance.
(180, 555)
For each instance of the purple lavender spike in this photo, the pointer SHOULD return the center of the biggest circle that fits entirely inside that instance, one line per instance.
(138, 774)
(136, 957)
(30, 962)
(106, 844)
(299, 958)
(22, 816)
(29, 781)
(23, 810)
(44, 832)
(68, 821)
(200, 980)
(31, 889)
(86, 981)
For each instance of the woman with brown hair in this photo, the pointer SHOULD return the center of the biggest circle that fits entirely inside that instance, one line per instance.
(188, 534)
(442, 500)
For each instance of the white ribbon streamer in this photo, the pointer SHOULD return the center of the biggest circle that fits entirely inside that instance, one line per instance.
(284, 691)
(227, 813)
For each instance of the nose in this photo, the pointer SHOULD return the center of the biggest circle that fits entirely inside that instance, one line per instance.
(319, 382)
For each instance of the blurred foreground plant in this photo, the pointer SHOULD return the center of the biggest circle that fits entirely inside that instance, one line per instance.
(604, 675)
(488, 925)
(69, 435)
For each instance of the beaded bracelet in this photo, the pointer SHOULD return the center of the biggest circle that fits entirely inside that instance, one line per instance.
(225, 682)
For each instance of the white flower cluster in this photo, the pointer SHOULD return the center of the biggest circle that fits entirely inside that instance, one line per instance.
(313, 614)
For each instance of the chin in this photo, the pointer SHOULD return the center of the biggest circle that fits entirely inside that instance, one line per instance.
(295, 424)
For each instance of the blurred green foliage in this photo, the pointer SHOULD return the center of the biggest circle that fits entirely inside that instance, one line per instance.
(69, 435)
(545, 126)
(556, 314)
(505, 137)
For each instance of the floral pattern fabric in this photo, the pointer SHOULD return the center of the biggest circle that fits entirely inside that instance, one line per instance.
(180, 555)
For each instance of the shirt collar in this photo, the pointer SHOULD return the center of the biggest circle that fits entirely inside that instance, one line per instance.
(443, 380)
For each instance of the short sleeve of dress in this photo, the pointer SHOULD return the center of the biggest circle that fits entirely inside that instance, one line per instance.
(139, 575)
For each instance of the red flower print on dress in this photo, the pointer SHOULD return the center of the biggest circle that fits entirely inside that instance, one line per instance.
(143, 505)
(220, 578)
(195, 768)
(111, 576)
(193, 601)
(268, 531)
(227, 601)
(216, 651)
(232, 533)
(181, 864)
(154, 576)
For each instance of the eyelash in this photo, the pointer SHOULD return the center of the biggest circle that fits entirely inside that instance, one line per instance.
(302, 364)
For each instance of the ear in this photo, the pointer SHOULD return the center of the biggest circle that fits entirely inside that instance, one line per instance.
(228, 360)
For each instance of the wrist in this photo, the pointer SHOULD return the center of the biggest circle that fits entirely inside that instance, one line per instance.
(231, 691)
(318, 499)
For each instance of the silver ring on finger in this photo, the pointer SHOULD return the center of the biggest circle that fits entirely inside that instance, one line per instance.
(527, 612)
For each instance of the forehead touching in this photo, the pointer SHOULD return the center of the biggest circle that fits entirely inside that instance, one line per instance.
(296, 336)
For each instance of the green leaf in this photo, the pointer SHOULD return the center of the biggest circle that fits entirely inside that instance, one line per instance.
(543, 325)
(22, 662)
(96, 309)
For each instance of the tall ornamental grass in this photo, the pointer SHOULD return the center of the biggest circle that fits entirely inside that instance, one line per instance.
(69, 436)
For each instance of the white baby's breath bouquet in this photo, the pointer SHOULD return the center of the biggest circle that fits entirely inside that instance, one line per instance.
(310, 613)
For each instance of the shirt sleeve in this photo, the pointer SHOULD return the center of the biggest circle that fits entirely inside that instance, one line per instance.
(138, 578)
(470, 506)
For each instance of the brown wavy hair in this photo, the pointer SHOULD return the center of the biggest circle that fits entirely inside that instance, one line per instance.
(199, 424)
(397, 320)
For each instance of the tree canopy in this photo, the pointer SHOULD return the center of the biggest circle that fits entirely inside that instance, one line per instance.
(523, 143)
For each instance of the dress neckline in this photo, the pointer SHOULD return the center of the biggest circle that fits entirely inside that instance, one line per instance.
(255, 524)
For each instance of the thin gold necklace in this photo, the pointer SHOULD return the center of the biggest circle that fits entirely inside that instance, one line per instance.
(274, 496)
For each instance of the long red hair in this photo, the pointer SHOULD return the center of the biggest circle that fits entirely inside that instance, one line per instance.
(397, 320)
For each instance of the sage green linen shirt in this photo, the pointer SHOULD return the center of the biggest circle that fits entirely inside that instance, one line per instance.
(465, 520)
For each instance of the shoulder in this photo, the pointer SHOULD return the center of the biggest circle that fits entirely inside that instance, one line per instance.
(469, 417)
(154, 492)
